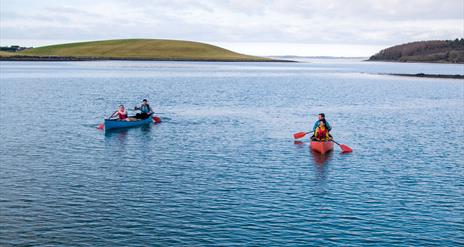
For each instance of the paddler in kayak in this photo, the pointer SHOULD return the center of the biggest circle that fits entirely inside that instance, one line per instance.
(321, 117)
(122, 114)
(321, 133)
(145, 110)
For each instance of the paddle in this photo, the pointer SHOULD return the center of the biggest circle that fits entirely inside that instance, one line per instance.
(102, 125)
(156, 119)
(300, 134)
(344, 147)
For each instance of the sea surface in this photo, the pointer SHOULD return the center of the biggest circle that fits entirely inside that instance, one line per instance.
(222, 168)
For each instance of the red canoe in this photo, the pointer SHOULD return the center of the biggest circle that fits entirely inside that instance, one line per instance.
(322, 146)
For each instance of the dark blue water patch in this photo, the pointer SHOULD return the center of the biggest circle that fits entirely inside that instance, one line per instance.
(222, 168)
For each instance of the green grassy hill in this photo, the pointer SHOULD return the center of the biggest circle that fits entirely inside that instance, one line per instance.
(6, 54)
(149, 49)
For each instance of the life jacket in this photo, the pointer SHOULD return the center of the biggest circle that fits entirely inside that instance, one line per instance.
(122, 115)
(321, 133)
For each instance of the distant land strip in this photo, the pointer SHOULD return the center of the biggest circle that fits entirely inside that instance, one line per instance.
(431, 51)
(130, 49)
(71, 58)
(457, 76)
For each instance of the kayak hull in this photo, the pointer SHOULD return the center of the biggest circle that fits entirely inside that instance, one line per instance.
(322, 146)
(118, 124)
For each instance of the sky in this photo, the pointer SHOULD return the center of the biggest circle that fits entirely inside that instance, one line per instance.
(266, 27)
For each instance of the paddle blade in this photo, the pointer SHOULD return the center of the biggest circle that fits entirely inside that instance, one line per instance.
(299, 135)
(345, 148)
(101, 126)
(156, 119)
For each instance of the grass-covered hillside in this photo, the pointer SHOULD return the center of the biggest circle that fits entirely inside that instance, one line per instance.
(6, 54)
(144, 49)
(444, 51)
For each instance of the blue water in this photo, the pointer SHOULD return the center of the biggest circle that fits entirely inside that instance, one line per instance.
(222, 168)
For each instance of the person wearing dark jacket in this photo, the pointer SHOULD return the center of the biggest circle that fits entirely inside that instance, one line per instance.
(321, 117)
(145, 110)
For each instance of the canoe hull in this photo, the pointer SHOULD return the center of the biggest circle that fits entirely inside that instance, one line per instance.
(322, 146)
(117, 124)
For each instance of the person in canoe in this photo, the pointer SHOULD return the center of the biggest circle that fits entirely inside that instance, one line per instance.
(321, 117)
(145, 110)
(321, 133)
(122, 114)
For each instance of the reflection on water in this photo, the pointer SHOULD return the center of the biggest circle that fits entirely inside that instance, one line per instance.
(299, 143)
(321, 165)
(121, 136)
(321, 161)
(146, 128)
(117, 134)
(319, 158)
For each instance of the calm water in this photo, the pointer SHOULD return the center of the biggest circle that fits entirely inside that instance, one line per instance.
(222, 169)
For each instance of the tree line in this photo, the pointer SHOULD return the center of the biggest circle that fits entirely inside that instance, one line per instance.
(425, 51)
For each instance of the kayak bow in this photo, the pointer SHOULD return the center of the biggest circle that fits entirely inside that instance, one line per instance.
(321, 146)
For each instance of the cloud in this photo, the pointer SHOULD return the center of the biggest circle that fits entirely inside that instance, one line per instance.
(367, 22)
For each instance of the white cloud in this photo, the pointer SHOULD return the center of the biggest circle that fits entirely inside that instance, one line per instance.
(362, 22)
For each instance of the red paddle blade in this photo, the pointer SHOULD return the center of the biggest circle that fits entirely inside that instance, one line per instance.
(299, 135)
(101, 126)
(345, 148)
(156, 119)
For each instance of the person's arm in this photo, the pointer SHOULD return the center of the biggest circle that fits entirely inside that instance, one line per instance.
(150, 110)
(112, 115)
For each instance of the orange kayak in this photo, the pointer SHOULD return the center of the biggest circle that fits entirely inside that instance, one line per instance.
(322, 146)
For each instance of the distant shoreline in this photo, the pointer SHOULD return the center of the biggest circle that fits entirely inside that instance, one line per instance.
(316, 57)
(395, 61)
(434, 51)
(133, 50)
(457, 76)
(70, 58)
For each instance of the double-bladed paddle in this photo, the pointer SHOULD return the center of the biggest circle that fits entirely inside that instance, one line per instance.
(300, 134)
(156, 119)
(343, 147)
(102, 125)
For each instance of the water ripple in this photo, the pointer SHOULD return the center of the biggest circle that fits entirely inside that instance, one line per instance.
(222, 169)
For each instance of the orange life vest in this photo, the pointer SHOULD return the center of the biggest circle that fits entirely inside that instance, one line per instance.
(321, 133)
